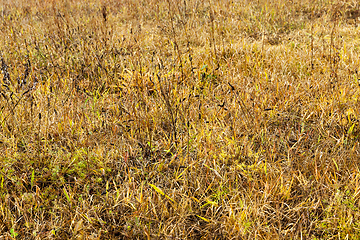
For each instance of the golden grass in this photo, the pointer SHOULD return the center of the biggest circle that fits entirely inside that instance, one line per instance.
(177, 119)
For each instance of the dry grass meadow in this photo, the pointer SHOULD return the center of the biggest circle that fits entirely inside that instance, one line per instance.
(179, 119)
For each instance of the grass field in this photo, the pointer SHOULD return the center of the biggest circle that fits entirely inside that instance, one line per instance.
(179, 119)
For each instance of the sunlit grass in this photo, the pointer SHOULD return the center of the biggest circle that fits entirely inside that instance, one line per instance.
(179, 119)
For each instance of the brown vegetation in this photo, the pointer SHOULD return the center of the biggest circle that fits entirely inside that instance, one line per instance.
(175, 119)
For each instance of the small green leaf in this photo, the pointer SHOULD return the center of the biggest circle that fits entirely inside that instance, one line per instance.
(13, 233)
(32, 178)
(67, 195)
(203, 67)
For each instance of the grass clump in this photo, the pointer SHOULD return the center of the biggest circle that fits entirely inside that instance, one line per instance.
(179, 119)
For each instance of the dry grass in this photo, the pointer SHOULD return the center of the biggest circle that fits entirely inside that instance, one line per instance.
(178, 119)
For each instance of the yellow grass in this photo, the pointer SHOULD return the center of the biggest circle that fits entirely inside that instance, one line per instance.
(175, 119)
